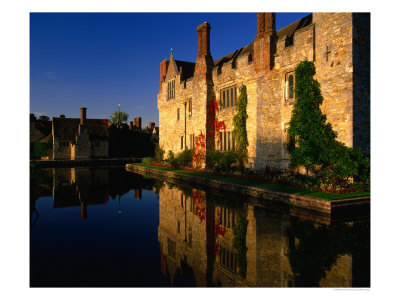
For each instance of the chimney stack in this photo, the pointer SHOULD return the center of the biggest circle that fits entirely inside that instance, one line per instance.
(163, 70)
(265, 23)
(203, 32)
(138, 122)
(62, 116)
(83, 115)
(204, 61)
(264, 43)
(152, 125)
(131, 125)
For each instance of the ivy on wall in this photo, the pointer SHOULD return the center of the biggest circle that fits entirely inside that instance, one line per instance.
(240, 131)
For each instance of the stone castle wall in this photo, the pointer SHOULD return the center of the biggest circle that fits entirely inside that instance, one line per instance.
(338, 44)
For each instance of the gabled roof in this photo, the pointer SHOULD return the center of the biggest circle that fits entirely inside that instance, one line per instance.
(234, 54)
(288, 31)
(67, 128)
(187, 69)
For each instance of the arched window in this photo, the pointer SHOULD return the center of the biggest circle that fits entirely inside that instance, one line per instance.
(289, 86)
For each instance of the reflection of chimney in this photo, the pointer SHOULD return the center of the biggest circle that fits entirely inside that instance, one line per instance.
(138, 194)
(83, 210)
(138, 122)
(131, 125)
(83, 115)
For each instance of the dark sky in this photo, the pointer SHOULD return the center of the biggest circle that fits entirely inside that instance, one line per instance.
(100, 60)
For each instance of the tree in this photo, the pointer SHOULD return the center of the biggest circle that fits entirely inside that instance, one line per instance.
(315, 139)
(44, 118)
(316, 147)
(240, 131)
(119, 116)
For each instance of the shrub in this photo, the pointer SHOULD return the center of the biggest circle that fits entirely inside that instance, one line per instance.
(147, 160)
(222, 160)
(41, 149)
(184, 158)
(171, 158)
(158, 153)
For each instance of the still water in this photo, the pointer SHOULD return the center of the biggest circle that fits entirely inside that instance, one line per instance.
(106, 227)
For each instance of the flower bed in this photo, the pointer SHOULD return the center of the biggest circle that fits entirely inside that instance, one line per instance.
(265, 179)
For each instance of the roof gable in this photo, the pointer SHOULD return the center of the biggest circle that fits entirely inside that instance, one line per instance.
(67, 128)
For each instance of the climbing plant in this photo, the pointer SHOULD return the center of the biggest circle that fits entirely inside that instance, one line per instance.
(204, 143)
(240, 131)
(239, 240)
(316, 147)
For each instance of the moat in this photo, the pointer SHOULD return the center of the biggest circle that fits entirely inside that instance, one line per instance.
(106, 227)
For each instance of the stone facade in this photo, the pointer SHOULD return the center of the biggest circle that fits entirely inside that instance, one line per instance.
(338, 44)
(79, 138)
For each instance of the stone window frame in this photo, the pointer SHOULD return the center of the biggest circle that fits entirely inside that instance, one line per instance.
(63, 144)
(227, 259)
(171, 89)
(250, 58)
(231, 96)
(226, 141)
(287, 97)
(171, 248)
(219, 70)
(191, 141)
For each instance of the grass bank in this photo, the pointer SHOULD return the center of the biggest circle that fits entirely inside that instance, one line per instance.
(264, 185)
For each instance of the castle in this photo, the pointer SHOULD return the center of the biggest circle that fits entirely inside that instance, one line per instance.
(337, 43)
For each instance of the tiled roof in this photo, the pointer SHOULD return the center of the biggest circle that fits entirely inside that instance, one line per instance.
(288, 30)
(234, 54)
(67, 128)
(291, 29)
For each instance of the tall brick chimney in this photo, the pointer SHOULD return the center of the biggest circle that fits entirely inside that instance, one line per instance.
(265, 42)
(83, 115)
(204, 61)
(163, 70)
(138, 122)
(203, 32)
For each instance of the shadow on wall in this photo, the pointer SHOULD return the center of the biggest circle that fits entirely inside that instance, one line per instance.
(271, 153)
(361, 80)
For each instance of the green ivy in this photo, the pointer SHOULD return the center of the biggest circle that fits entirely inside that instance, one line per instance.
(239, 240)
(240, 131)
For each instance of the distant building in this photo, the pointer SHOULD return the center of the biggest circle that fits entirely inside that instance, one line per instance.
(79, 138)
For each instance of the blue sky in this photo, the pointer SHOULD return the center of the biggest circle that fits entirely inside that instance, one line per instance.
(100, 60)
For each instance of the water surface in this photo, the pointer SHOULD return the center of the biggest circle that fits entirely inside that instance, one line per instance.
(108, 227)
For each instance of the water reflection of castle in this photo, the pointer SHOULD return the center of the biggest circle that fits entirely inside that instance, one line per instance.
(85, 186)
(196, 237)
